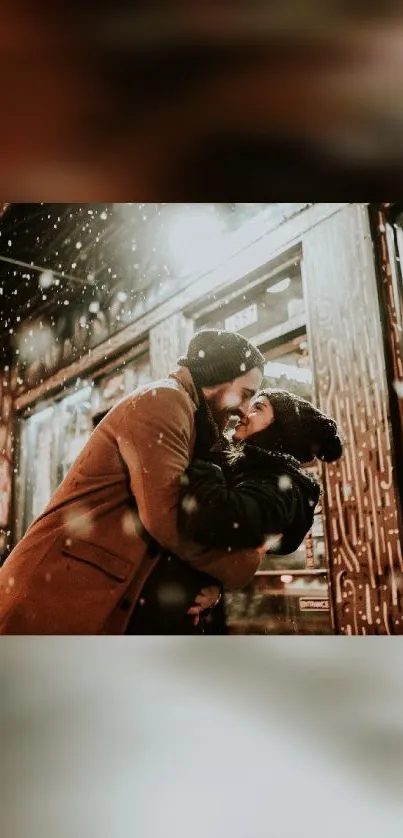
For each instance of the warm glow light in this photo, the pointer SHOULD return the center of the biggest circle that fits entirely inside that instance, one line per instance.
(286, 579)
(196, 240)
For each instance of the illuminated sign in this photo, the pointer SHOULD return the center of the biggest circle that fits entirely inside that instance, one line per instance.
(314, 604)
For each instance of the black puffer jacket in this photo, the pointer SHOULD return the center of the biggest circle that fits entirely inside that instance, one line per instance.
(250, 498)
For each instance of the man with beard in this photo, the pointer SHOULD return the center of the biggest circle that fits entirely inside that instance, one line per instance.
(82, 565)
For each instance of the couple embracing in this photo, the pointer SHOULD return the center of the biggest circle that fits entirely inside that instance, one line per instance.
(161, 510)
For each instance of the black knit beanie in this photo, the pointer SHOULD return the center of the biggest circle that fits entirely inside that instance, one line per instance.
(216, 356)
(299, 429)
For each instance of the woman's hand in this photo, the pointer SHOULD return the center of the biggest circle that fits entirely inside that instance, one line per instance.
(207, 598)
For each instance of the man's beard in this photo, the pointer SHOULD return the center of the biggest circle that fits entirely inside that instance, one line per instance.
(223, 418)
(221, 415)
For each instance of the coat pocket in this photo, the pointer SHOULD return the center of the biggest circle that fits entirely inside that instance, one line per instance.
(98, 557)
(74, 589)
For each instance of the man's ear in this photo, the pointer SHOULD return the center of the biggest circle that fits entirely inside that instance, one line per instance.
(209, 391)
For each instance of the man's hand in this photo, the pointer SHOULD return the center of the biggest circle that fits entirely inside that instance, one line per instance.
(207, 598)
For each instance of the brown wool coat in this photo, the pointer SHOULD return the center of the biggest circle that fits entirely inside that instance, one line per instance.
(81, 565)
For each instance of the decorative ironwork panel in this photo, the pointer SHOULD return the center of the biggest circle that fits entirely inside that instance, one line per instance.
(365, 554)
(387, 231)
(6, 460)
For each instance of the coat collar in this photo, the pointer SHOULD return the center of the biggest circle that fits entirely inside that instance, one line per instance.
(184, 378)
(208, 436)
(249, 458)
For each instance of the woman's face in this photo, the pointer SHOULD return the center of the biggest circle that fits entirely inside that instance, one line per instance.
(259, 416)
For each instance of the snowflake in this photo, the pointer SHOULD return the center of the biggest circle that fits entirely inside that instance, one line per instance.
(284, 482)
(189, 504)
(398, 386)
(272, 542)
(78, 523)
(46, 279)
(131, 524)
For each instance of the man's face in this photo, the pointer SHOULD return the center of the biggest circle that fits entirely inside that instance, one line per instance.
(233, 398)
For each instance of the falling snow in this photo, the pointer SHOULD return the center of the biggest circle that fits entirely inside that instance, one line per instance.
(284, 482)
(189, 504)
(46, 279)
(347, 491)
(272, 543)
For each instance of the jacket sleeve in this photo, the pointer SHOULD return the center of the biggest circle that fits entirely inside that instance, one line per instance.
(245, 514)
(155, 441)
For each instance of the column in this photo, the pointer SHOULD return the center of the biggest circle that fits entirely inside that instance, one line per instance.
(169, 340)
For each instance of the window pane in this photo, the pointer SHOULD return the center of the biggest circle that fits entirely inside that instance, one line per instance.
(281, 604)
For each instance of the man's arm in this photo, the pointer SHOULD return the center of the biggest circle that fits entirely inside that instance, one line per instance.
(154, 440)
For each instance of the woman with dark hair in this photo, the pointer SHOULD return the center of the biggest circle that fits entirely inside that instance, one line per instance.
(259, 488)
(252, 492)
